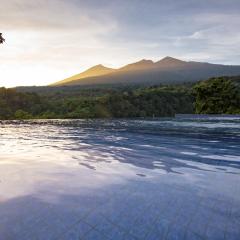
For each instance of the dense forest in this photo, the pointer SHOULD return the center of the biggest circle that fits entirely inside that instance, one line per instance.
(216, 95)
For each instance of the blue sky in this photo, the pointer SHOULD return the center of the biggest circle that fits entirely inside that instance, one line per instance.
(50, 40)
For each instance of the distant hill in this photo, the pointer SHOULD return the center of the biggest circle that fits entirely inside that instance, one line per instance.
(166, 71)
(97, 70)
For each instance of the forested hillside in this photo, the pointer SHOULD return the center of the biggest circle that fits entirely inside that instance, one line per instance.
(217, 95)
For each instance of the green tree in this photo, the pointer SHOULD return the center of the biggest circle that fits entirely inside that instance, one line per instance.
(20, 114)
(217, 96)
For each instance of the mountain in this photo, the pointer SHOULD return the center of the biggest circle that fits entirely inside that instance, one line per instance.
(141, 65)
(146, 72)
(97, 70)
(169, 62)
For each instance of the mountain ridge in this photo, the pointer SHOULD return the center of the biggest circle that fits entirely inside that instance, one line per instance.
(96, 70)
(166, 70)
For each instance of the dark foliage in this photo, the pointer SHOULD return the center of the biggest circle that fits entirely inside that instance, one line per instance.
(217, 95)
(122, 102)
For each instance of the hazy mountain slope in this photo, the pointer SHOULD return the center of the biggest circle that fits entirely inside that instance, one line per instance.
(167, 70)
(141, 65)
(97, 70)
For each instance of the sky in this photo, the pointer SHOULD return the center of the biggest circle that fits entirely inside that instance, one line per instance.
(49, 40)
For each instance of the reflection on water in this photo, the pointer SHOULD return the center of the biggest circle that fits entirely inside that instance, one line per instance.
(120, 179)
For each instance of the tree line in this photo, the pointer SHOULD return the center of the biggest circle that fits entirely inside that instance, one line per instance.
(213, 96)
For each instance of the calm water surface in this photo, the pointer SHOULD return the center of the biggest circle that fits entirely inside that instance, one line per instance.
(135, 179)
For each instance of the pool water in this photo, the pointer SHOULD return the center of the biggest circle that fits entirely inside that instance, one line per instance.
(120, 179)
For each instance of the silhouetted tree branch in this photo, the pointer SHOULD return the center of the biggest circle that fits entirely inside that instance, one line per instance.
(2, 40)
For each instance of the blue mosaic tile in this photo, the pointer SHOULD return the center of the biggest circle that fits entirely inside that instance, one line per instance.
(118, 234)
(193, 236)
(175, 232)
(76, 232)
(94, 218)
(95, 235)
(215, 233)
(104, 226)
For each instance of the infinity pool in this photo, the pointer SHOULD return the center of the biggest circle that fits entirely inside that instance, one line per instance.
(120, 179)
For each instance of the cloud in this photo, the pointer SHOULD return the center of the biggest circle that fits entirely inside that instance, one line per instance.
(66, 36)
